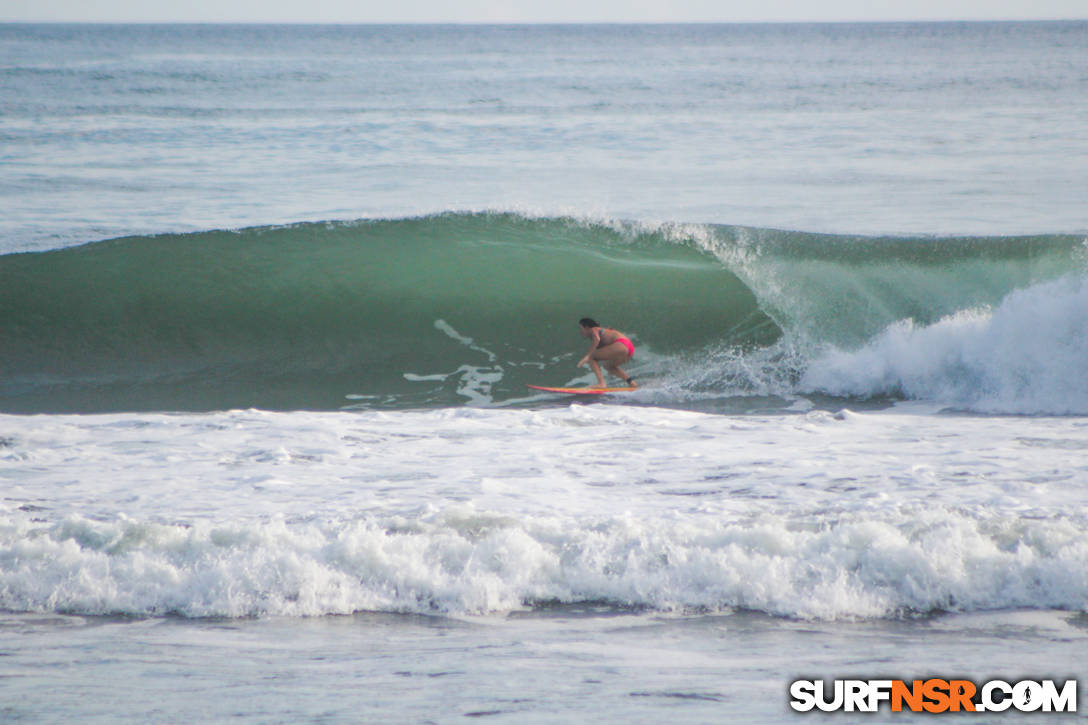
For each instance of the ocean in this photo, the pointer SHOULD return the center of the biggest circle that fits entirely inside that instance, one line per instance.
(270, 298)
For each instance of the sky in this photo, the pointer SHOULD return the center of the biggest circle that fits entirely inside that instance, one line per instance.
(533, 11)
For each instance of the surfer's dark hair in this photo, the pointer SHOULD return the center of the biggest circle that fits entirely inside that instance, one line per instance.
(588, 322)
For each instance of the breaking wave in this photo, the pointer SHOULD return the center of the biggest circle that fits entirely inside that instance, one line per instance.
(468, 307)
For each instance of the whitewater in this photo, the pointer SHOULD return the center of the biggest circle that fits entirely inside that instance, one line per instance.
(270, 297)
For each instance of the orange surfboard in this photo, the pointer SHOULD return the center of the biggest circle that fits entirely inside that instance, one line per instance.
(582, 391)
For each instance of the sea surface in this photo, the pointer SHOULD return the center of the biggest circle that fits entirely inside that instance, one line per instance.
(270, 297)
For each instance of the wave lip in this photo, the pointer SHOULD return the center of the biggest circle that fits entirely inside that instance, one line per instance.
(467, 562)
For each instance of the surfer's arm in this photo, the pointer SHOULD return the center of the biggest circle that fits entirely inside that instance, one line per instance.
(592, 348)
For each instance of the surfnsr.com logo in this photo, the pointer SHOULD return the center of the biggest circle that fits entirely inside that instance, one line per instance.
(933, 695)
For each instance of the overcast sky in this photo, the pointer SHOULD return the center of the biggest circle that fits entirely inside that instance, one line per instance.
(529, 11)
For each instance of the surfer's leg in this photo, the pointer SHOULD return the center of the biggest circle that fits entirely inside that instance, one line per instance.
(612, 356)
(619, 373)
(597, 371)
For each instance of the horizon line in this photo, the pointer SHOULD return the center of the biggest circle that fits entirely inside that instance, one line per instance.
(500, 23)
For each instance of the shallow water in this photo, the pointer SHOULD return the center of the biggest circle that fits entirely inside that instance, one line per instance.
(570, 663)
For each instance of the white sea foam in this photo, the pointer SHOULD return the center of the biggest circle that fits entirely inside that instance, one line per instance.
(468, 510)
(1028, 355)
(463, 561)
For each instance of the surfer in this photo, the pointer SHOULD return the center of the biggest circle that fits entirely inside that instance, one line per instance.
(610, 347)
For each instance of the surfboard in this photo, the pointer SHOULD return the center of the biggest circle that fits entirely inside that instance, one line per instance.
(582, 391)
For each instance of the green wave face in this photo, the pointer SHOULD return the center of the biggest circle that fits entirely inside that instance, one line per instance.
(431, 311)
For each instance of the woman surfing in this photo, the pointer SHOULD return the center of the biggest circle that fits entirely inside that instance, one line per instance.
(610, 347)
